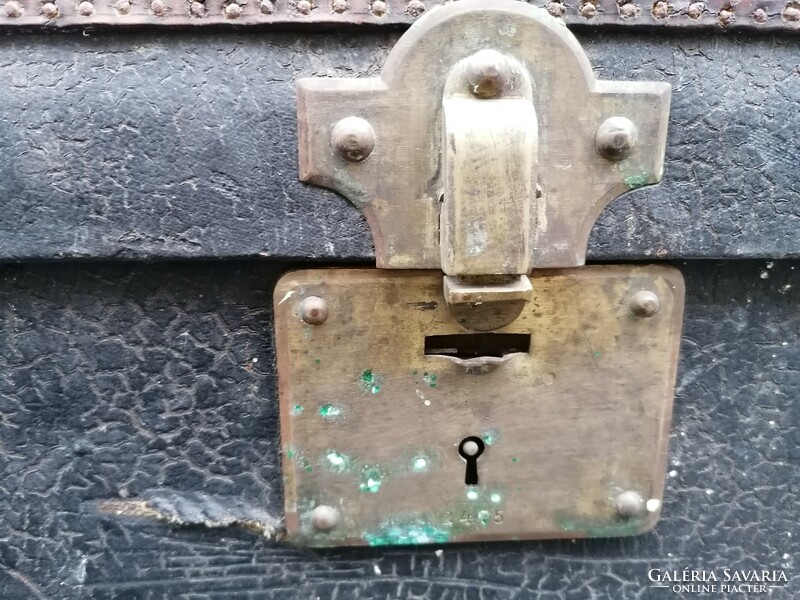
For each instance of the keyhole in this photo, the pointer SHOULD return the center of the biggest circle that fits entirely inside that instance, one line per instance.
(470, 449)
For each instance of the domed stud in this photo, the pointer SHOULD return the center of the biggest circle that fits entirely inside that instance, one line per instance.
(324, 518)
(629, 504)
(644, 304)
(353, 138)
(314, 310)
(616, 138)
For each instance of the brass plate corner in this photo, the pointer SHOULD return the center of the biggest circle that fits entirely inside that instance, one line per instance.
(373, 409)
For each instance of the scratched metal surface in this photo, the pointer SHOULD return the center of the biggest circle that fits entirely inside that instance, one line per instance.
(128, 383)
(182, 144)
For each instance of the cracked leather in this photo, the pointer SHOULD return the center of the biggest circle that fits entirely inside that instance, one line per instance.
(182, 144)
(120, 379)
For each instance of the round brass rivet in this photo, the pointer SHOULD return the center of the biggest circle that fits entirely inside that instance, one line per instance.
(791, 12)
(324, 518)
(378, 8)
(159, 7)
(629, 504)
(415, 8)
(314, 310)
(14, 9)
(487, 73)
(353, 138)
(197, 9)
(123, 7)
(267, 7)
(304, 7)
(696, 10)
(233, 10)
(644, 304)
(588, 10)
(86, 9)
(50, 10)
(616, 138)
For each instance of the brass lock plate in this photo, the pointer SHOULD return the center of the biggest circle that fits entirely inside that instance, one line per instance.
(385, 399)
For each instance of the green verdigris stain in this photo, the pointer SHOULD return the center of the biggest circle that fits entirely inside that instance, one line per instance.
(420, 464)
(595, 528)
(329, 411)
(479, 510)
(338, 462)
(302, 462)
(371, 480)
(410, 532)
(636, 181)
(297, 409)
(429, 379)
(317, 361)
(370, 381)
(490, 437)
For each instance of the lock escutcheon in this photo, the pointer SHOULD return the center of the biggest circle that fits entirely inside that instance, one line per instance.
(481, 384)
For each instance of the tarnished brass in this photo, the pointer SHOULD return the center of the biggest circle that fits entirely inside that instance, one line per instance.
(495, 397)
(574, 430)
(495, 147)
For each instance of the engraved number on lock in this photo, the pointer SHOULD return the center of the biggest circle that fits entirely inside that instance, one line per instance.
(469, 518)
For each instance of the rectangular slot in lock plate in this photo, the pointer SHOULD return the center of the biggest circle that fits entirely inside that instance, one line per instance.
(389, 408)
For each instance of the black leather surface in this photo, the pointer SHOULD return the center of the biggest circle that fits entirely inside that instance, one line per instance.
(183, 144)
(116, 380)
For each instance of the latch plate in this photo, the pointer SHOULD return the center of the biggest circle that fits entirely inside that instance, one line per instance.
(575, 429)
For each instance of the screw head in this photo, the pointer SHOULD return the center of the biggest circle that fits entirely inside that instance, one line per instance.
(644, 304)
(233, 10)
(324, 518)
(50, 10)
(616, 138)
(314, 310)
(629, 504)
(86, 8)
(487, 73)
(353, 138)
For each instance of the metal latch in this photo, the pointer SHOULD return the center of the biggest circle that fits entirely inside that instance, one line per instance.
(481, 383)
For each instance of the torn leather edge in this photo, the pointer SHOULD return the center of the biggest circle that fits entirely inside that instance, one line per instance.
(196, 509)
